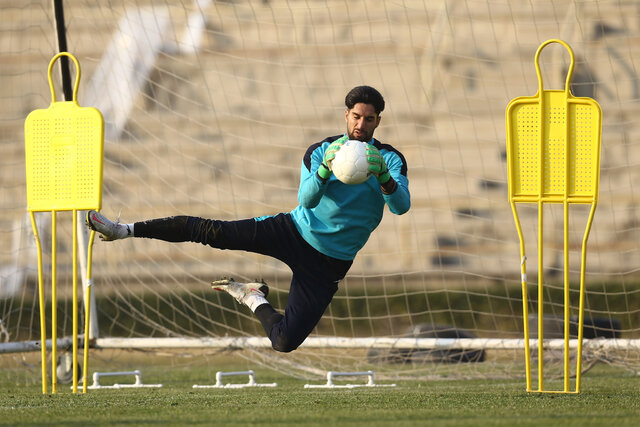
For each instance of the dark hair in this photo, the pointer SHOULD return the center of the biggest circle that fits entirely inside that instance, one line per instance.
(366, 95)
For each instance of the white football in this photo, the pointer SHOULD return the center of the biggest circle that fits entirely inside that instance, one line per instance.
(350, 164)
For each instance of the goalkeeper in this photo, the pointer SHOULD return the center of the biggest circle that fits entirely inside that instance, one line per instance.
(318, 240)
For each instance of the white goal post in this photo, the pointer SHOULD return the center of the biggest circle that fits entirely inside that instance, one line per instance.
(334, 342)
(368, 343)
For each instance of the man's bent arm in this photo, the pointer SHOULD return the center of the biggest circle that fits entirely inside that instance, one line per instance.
(312, 186)
(396, 191)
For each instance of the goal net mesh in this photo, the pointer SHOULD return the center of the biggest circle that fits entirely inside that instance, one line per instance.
(209, 107)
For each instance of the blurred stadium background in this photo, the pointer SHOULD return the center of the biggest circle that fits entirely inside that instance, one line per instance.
(210, 105)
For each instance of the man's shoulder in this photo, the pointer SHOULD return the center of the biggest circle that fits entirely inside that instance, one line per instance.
(332, 138)
(313, 147)
(328, 139)
(382, 146)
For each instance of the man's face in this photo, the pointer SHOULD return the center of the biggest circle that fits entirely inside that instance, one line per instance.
(362, 120)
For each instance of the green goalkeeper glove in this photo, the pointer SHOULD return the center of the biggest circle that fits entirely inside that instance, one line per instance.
(324, 171)
(377, 165)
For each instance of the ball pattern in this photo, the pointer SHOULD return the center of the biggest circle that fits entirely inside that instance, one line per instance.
(350, 164)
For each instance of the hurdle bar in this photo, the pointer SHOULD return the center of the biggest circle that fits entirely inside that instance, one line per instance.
(251, 383)
(332, 374)
(137, 384)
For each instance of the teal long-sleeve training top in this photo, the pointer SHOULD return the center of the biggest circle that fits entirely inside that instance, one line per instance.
(337, 219)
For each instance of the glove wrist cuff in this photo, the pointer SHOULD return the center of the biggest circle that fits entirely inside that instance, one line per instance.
(389, 187)
(384, 177)
(324, 172)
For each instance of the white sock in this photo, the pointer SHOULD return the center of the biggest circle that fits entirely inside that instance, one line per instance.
(254, 301)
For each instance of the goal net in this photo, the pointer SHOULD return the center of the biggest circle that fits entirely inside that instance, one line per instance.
(209, 107)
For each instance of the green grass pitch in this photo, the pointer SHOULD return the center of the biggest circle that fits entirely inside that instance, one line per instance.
(609, 397)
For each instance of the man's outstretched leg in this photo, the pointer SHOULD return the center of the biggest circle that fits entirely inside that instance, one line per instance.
(315, 276)
(171, 229)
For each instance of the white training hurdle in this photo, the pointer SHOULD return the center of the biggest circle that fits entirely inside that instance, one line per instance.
(332, 374)
(251, 383)
(137, 384)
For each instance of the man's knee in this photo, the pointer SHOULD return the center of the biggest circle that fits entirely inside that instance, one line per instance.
(286, 344)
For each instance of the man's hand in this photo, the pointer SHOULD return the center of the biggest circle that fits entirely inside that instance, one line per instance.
(377, 165)
(324, 171)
